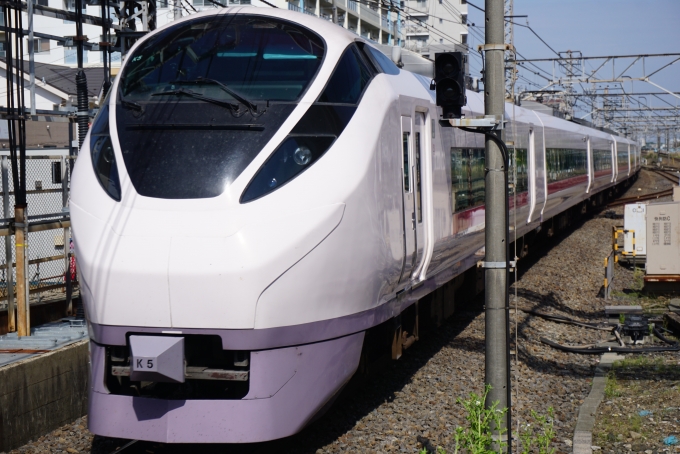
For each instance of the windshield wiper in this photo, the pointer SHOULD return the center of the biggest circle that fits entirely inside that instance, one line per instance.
(202, 80)
(130, 104)
(191, 94)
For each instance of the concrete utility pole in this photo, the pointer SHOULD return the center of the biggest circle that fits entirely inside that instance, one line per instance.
(178, 9)
(335, 13)
(510, 39)
(31, 56)
(496, 222)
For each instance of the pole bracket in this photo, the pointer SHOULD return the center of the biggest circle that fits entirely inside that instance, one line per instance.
(490, 122)
(496, 265)
(503, 47)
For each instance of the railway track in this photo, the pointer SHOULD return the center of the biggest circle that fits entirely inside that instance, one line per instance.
(670, 175)
(640, 198)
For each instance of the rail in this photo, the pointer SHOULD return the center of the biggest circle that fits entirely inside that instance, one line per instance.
(640, 198)
(669, 175)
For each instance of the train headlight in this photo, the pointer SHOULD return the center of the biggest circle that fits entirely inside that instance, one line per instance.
(295, 155)
(302, 156)
(103, 157)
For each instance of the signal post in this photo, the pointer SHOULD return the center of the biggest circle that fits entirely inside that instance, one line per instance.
(449, 83)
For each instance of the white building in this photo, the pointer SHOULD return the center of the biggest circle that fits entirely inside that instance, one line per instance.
(435, 26)
(425, 26)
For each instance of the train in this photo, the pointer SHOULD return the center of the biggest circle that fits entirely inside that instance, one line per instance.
(262, 197)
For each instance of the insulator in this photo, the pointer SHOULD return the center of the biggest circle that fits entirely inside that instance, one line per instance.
(83, 107)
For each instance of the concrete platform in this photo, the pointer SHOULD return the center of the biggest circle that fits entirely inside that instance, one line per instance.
(40, 392)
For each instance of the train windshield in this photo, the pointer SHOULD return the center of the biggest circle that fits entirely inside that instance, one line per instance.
(232, 57)
(197, 102)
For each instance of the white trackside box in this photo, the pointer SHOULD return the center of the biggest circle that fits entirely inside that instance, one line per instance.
(663, 238)
(634, 220)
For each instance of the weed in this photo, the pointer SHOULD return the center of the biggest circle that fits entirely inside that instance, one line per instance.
(538, 440)
(610, 388)
(479, 438)
(638, 279)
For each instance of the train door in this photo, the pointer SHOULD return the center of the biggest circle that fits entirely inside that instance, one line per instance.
(591, 166)
(537, 176)
(615, 161)
(406, 157)
(420, 144)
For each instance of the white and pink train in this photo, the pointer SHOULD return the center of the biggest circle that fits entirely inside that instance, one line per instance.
(260, 189)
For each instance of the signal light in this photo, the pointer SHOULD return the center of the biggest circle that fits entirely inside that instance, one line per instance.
(449, 78)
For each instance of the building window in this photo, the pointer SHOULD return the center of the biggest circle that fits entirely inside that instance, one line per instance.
(41, 45)
(41, 2)
(463, 19)
(441, 41)
(71, 56)
(70, 5)
(162, 3)
(2, 49)
(463, 38)
(441, 21)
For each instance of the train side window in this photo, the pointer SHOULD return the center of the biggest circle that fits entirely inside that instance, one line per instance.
(419, 193)
(477, 174)
(460, 179)
(407, 172)
(518, 169)
(563, 163)
(350, 77)
(602, 160)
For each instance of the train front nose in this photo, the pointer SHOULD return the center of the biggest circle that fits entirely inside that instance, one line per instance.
(208, 274)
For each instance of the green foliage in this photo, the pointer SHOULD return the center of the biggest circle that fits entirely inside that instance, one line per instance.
(479, 437)
(638, 279)
(622, 319)
(538, 437)
(610, 387)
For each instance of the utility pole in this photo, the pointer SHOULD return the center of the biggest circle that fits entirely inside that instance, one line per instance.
(509, 38)
(16, 125)
(31, 56)
(496, 225)
(335, 13)
(178, 9)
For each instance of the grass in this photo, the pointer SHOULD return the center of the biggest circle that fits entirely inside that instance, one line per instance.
(478, 437)
(610, 388)
(638, 382)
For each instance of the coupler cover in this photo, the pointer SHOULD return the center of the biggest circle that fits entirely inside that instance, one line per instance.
(157, 359)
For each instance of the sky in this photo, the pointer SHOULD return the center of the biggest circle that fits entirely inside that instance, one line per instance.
(598, 28)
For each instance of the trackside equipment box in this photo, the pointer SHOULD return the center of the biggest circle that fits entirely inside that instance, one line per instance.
(634, 219)
(663, 238)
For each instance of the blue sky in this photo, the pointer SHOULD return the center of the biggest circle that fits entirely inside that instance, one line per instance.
(598, 28)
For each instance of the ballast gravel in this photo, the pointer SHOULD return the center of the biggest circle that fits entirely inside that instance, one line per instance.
(386, 410)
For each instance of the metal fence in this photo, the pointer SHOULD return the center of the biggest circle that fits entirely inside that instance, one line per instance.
(51, 268)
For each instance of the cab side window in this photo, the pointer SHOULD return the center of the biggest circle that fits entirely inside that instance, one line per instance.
(350, 78)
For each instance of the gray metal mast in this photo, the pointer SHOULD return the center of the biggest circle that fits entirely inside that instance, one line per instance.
(178, 9)
(510, 39)
(496, 219)
(31, 56)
